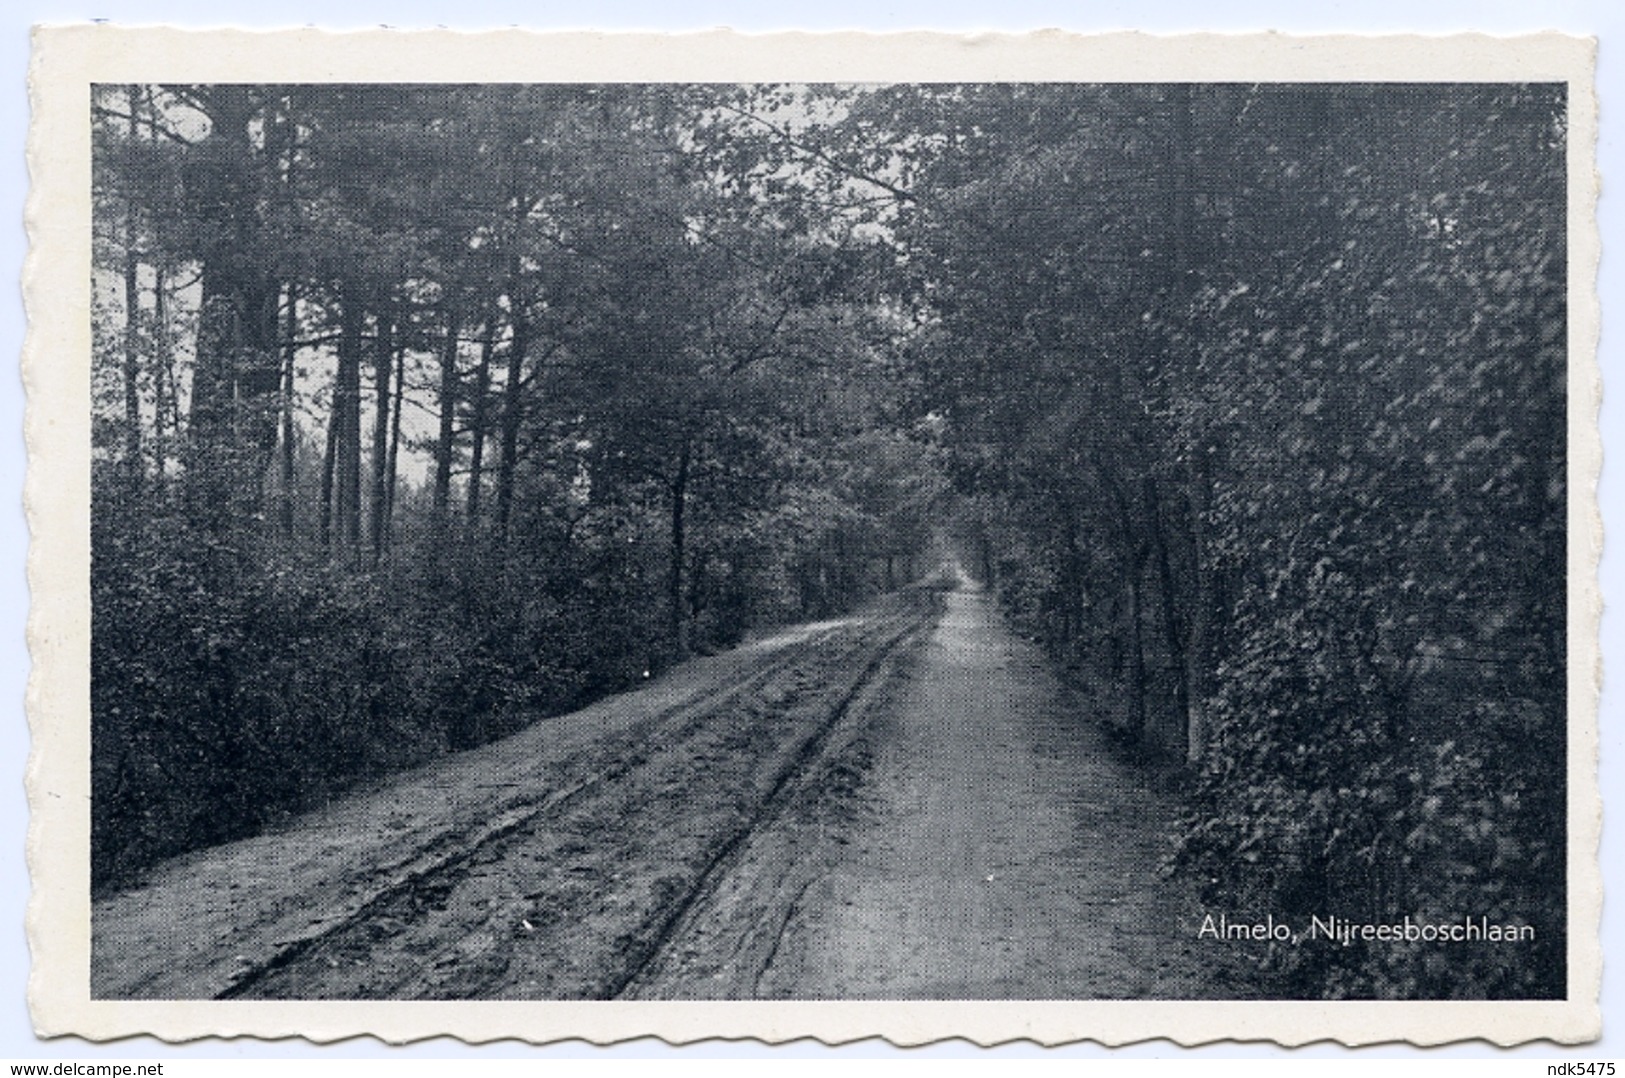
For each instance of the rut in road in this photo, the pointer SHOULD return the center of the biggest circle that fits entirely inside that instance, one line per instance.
(543, 866)
(900, 804)
(994, 848)
(572, 902)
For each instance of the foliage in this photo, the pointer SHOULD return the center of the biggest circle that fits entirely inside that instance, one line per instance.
(1248, 400)
(612, 341)
(1259, 393)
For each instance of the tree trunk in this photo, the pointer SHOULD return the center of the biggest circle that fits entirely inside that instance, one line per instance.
(1133, 554)
(1188, 640)
(237, 375)
(482, 396)
(329, 466)
(1178, 178)
(347, 427)
(448, 418)
(166, 421)
(290, 349)
(390, 472)
(383, 358)
(512, 414)
(1198, 649)
(132, 322)
(1136, 654)
(132, 371)
(210, 455)
(1072, 578)
(679, 508)
(1174, 625)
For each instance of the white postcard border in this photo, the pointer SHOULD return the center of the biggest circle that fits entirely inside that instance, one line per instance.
(67, 60)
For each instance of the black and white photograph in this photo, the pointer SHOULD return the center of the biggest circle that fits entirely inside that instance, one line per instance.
(832, 540)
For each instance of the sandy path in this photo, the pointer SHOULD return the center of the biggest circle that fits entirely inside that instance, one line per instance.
(1013, 857)
(901, 804)
(997, 849)
(440, 879)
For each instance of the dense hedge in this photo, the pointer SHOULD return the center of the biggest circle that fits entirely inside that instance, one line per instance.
(236, 684)
(1289, 498)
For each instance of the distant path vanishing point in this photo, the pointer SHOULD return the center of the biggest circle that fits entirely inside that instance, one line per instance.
(995, 849)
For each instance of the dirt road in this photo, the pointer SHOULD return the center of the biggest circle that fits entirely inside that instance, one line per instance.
(995, 849)
(899, 804)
